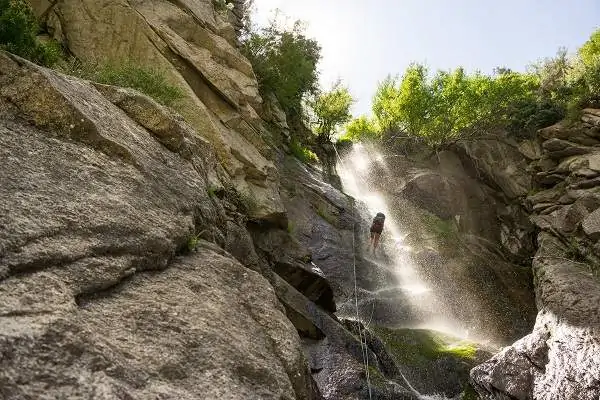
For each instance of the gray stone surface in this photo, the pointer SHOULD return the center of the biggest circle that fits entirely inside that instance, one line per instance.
(191, 44)
(96, 203)
(499, 163)
(561, 358)
(558, 148)
(205, 328)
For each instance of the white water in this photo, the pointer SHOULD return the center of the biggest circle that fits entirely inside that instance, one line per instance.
(354, 170)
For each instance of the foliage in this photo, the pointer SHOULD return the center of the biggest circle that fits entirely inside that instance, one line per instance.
(285, 63)
(446, 106)
(149, 81)
(192, 242)
(553, 73)
(223, 5)
(302, 153)
(362, 128)
(590, 51)
(18, 30)
(584, 76)
(331, 109)
(451, 104)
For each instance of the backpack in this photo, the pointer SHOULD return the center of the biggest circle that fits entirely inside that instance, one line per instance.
(378, 221)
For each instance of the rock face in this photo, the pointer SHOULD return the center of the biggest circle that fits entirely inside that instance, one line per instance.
(145, 252)
(205, 328)
(98, 199)
(194, 46)
(560, 359)
(153, 253)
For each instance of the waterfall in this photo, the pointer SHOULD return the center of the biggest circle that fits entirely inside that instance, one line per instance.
(355, 170)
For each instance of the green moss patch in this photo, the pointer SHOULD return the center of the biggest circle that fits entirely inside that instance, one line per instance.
(421, 346)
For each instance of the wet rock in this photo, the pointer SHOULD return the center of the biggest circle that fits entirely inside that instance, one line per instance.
(434, 192)
(387, 307)
(326, 222)
(309, 282)
(432, 362)
(337, 356)
(293, 262)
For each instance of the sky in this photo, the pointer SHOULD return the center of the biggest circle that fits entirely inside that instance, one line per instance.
(365, 40)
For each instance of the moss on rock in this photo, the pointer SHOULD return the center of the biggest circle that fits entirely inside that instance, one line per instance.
(432, 361)
(419, 346)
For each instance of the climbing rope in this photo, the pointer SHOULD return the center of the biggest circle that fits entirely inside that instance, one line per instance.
(362, 335)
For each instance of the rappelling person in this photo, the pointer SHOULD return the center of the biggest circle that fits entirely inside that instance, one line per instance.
(376, 229)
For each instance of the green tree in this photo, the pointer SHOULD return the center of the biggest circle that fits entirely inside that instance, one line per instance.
(584, 76)
(452, 104)
(285, 62)
(18, 30)
(362, 128)
(590, 51)
(404, 104)
(331, 109)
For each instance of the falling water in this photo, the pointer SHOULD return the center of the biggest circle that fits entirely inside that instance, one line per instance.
(354, 170)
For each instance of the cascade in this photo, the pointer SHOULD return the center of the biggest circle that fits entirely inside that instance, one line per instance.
(357, 169)
(356, 172)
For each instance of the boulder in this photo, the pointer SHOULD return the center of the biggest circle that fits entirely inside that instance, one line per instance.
(559, 360)
(558, 149)
(591, 225)
(591, 117)
(337, 360)
(577, 132)
(435, 192)
(170, 335)
(589, 161)
(531, 149)
(549, 196)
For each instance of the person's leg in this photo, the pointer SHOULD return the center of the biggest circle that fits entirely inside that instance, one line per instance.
(372, 241)
(376, 239)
